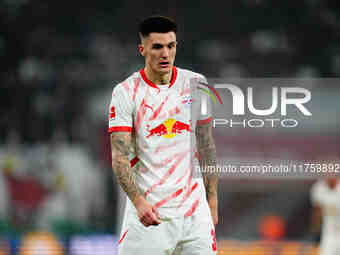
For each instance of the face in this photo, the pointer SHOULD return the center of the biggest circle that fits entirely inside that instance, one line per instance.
(159, 50)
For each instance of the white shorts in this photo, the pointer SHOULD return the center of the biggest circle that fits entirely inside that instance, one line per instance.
(329, 246)
(193, 235)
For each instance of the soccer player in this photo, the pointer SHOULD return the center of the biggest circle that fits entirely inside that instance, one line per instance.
(154, 138)
(325, 196)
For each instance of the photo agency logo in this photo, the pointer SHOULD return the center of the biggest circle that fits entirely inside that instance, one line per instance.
(274, 114)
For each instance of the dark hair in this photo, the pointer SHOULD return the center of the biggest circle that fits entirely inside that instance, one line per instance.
(157, 24)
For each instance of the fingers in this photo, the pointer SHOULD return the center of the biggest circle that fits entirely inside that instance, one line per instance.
(215, 220)
(148, 223)
(214, 211)
(150, 218)
(148, 214)
(155, 211)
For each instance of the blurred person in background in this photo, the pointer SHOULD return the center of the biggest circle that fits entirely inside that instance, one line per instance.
(151, 126)
(50, 186)
(30, 180)
(325, 197)
(77, 181)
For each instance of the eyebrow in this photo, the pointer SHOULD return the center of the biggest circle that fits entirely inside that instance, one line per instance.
(169, 44)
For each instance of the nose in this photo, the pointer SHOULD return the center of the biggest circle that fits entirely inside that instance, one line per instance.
(165, 52)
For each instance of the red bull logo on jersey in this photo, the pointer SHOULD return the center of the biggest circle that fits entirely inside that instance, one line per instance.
(169, 128)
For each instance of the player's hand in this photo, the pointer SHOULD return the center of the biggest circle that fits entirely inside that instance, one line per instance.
(213, 204)
(147, 213)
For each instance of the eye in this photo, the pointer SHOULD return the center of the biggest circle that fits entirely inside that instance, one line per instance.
(171, 45)
(157, 46)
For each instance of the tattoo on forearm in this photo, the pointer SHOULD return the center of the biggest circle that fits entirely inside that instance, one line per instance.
(121, 147)
(207, 157)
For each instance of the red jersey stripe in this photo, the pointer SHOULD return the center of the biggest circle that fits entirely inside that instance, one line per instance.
(189, 192)
(158, 110)
(172, 196)
(135, 88)
(181, 178)
(125, 85)
(121, 240)
(180, 157)
(120, 129)
(192, 209)
(141, 112)
(134, 161)
(167, 146)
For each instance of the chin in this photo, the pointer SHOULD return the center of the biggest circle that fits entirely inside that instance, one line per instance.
(165, 70)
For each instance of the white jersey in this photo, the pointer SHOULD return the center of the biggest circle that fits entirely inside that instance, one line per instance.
(329, 201)
(163, 127)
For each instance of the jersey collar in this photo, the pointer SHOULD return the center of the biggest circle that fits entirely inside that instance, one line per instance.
(150, 83)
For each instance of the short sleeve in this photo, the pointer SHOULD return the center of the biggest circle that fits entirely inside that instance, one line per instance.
(120, 111)
(315, 194)
(321, 196)
(205, 97)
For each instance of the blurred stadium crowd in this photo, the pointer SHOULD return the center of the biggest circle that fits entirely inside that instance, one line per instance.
(61, 59)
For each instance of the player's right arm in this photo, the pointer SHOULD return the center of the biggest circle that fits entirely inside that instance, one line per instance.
(120, 127)
(121, 146)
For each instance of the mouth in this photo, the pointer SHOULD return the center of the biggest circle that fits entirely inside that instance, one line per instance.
(164, 64)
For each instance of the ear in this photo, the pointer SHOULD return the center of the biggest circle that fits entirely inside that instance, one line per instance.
(141, 49)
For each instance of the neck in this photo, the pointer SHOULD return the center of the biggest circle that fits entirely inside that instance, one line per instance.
(158, 78)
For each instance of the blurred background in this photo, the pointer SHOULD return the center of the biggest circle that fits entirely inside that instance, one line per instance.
(60, 62)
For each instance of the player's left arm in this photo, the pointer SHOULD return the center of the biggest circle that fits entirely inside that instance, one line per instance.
(207, 159)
